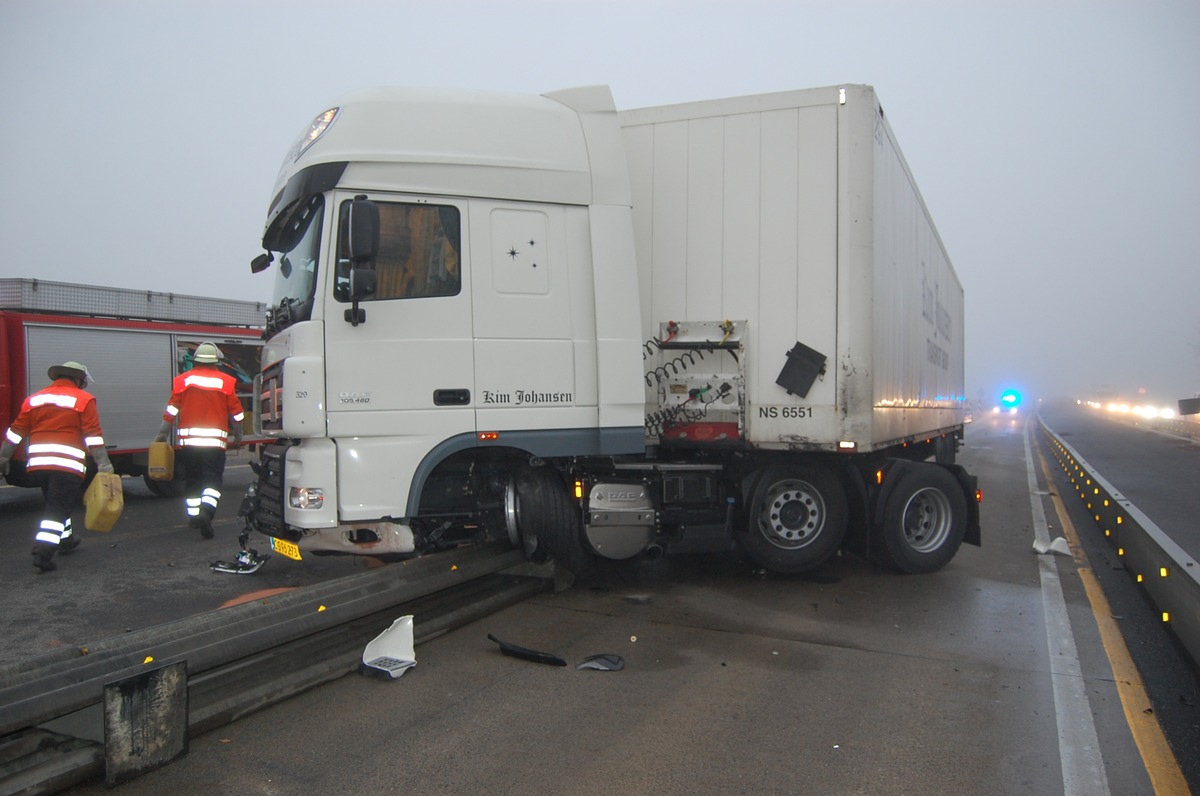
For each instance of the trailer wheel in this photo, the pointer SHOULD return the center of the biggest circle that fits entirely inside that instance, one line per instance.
(924, 519)
(797, 519)
(542, 520)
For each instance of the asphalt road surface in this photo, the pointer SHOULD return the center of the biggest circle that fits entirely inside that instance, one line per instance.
(988, 677)
(149, 569)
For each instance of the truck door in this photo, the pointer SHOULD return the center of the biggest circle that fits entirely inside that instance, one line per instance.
(401, 381)
(530, 371)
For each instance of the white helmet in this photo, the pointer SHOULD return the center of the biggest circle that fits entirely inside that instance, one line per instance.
(70, 370)
(207, 354)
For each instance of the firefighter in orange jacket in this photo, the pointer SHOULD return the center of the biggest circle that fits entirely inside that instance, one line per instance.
(209, 417)
(61, 424)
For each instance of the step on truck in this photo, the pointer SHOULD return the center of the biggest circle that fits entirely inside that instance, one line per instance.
(133, 342)
(718, 326)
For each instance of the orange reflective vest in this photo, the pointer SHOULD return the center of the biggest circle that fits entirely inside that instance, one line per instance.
(202, 403)
(60, 423)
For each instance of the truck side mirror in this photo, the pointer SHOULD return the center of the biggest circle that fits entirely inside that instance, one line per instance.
(261, 263)
(362, 242)
(363, 230)
(362, 283)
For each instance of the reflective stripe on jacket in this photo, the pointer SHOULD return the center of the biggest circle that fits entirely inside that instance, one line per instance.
(202, 402)
(60, 423)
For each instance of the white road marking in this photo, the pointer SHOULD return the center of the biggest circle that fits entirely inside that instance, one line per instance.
(1078, 747)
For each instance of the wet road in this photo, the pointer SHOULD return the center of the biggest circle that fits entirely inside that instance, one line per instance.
(1149, 467)
(149, 569)
(981, 678)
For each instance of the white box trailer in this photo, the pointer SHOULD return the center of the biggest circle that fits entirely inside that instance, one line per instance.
(133, 342)
(694, 327)
(797, 212)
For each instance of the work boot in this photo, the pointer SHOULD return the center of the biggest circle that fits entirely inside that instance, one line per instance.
(67, 545)
(43, 562)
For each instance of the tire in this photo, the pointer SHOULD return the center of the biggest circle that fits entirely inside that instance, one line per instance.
(172, 489)
(542, 520)
(924, 519)
(796, 519)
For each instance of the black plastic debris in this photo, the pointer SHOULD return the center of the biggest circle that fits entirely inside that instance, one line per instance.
(604, 662)
(246, 562)
(513, 651)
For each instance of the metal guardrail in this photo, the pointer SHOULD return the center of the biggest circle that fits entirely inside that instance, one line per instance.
(239, 659)
(1170, 577)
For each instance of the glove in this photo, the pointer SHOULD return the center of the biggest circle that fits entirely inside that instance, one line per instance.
(163, 431)
(161, 438)
(7, 449)
(103, 463)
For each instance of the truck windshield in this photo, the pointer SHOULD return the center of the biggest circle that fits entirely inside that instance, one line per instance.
(295, 237)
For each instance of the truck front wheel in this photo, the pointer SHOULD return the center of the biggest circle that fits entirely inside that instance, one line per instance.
(542, 520)
(924, 519)
(797, 519)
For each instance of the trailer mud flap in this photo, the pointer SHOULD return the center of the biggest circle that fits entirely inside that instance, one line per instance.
(970, 484)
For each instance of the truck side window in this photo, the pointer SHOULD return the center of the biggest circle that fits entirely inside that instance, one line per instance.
(419, 252)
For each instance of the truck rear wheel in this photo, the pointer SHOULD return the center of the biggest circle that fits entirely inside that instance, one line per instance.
(924, 519)
(542, 520)
(797, 519)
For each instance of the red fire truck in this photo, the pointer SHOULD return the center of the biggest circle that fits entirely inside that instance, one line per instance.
(133, 342)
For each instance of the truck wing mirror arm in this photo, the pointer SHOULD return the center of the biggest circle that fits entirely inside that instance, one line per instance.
(362, 285)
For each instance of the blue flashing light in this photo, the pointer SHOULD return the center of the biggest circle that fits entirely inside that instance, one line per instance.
(1010, 398)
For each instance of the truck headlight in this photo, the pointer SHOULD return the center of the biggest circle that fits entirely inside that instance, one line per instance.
(306, 497)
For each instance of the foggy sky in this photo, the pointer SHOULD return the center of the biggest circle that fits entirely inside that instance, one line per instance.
(1055, 143)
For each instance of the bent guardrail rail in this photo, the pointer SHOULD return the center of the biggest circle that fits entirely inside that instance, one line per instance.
(51, 718)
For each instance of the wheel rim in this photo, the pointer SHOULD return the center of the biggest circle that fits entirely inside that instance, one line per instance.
(928, 519)
(520, 537)
(792, 514)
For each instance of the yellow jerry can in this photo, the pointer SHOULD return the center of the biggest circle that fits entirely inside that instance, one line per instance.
(104, 501)
(162, 462)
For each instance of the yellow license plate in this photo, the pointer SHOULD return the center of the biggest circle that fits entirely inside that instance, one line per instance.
(285, 548)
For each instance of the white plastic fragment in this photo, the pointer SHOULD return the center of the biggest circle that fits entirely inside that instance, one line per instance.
(391, 652)
(1059, 546)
